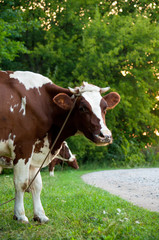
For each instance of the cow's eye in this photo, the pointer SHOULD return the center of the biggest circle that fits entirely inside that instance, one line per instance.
(83, 109)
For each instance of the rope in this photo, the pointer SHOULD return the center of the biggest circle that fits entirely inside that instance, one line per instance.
(64, 159)
(7, 201)
(48, 152)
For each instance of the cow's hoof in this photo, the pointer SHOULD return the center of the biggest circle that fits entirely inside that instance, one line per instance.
(42, 219)
(22, 219)
(51, 174)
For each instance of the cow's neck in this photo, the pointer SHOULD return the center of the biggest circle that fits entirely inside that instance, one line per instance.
(54, 131)
(53, 90)
(58, 117)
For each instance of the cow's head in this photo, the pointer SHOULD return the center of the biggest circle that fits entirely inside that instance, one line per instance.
(90, 111)
(66, 155)
(73, 164)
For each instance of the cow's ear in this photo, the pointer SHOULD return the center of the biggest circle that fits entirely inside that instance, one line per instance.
(112, 99)
(63, 101)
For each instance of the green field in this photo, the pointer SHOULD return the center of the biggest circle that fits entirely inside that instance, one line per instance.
(76, 211)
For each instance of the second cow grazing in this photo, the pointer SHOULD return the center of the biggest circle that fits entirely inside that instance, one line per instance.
(64, 155)
(33, 110)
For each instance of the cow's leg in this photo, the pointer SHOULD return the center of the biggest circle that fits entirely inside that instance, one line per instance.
(21, 180)
(52, 167)
(52, 172)
(36, 187)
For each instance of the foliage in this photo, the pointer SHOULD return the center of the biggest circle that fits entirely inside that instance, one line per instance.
(112, 47)
(111, 43)
(76, 211)
(152, 156)
(128, 154)
(9, 46)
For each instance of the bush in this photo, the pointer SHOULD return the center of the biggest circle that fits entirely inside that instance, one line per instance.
(152, 156)
(121, 153)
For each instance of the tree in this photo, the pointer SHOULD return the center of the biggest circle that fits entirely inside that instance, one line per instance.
(10, 31)
(108, 43)
(123, 52)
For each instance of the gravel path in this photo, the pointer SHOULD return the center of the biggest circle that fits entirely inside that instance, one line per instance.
(139, 186)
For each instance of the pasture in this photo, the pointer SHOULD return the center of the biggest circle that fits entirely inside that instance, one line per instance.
(76, 211)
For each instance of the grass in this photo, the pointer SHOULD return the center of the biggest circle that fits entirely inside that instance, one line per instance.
(76, 211)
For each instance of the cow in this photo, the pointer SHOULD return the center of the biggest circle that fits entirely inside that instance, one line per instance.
(65, 155)
(32, 112)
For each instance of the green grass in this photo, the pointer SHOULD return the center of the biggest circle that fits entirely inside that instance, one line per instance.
(76, 211)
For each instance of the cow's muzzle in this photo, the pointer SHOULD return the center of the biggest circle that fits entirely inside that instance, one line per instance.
(103, 140)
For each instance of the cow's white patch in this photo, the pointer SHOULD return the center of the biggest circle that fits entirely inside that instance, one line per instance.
(13, 107)
(94, 99)
(30, 80)
(52, 173)
(38, 157)
(23, 106)
(92, 95)
(36, 188)
(21, 180)
(86, 87)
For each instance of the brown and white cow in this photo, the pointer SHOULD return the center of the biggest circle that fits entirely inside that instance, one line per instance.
(64, 155)
(32, 111)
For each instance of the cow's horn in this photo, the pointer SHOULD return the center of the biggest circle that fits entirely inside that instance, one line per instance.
(103, 90)
(73, 90)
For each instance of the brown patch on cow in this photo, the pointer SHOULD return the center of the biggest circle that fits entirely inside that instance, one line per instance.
(53, 163)
(38, 146)
(64, 152)
(24, 186)
(8, 160)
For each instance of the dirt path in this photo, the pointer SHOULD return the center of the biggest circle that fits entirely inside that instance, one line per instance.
(139, 186)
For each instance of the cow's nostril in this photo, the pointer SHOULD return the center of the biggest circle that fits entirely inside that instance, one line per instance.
(106, 137)
(101, 135)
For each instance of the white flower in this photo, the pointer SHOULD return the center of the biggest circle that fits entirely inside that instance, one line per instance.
(121, 220)
(119, 211)
(137, 222)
